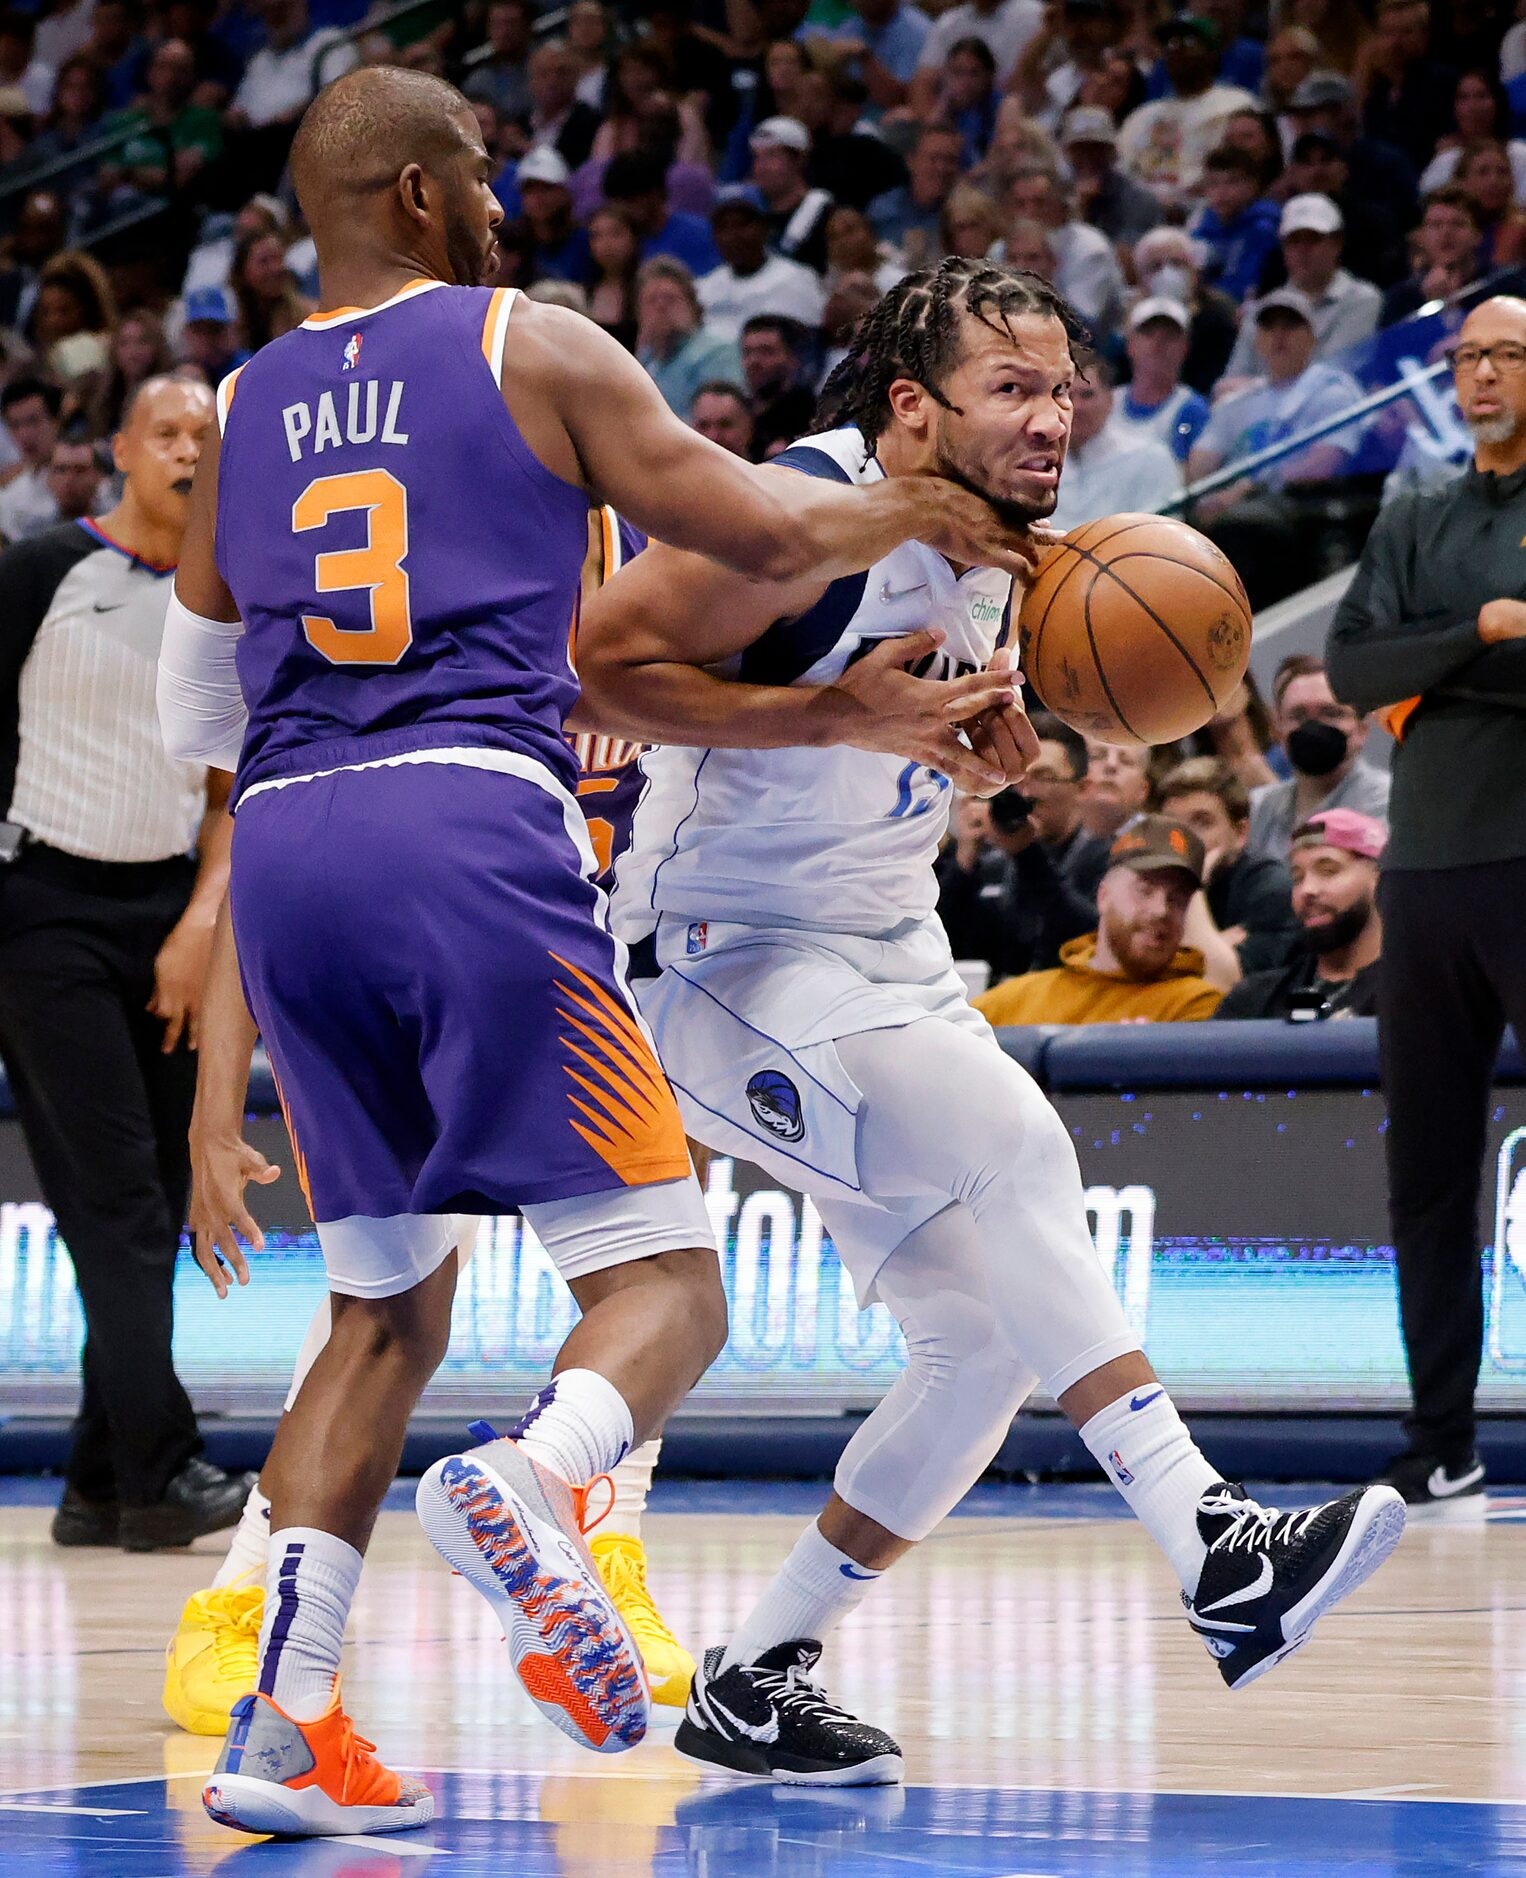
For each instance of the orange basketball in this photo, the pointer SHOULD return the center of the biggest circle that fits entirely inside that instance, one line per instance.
(1136, 629)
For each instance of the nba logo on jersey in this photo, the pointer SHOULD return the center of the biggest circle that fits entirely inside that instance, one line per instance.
(698, 936)
(352, 353)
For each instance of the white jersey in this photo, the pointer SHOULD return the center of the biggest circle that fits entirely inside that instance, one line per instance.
(834, 840)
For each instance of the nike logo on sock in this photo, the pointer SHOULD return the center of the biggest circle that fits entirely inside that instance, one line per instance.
(848, 1572)
(1138, 1402)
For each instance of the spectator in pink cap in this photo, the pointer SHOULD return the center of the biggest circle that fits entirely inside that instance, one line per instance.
(1334, 973)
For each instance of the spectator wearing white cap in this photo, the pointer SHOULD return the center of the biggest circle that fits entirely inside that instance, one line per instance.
(1157, 404)
(1312, 234)
(1166, 267)
(560, 250)
(1256, 519)
(1106, 196)
(797, 214)
(750, 279)
(1109, 470)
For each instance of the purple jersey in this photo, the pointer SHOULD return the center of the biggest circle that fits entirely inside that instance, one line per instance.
(407, 571)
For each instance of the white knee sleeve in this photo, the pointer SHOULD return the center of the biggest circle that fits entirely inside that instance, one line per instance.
(466, 1228)
(946, 1113)
(946, 1414)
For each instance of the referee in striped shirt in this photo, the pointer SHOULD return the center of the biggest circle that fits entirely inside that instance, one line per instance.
(113, 861)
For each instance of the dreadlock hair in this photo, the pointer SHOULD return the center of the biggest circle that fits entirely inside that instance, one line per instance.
(914, 333)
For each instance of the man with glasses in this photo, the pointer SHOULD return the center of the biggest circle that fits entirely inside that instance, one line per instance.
(1435, 625)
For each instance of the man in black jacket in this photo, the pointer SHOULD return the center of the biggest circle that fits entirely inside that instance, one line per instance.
(1436, 619)
(1334, 970)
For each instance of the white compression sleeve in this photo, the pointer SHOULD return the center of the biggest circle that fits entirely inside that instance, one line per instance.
(201, 706)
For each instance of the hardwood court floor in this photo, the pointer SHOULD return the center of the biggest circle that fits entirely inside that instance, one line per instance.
(1056, 1714)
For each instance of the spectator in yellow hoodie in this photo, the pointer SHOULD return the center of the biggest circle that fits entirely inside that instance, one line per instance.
(1134, 968)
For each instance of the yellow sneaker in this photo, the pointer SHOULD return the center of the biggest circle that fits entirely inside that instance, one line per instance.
(213, 1657)
(621, 1560)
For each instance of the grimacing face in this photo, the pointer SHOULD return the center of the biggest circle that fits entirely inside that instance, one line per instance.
(1009, 432)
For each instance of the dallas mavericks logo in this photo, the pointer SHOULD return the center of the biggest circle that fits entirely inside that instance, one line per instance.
(775, 1101)
(352, 353)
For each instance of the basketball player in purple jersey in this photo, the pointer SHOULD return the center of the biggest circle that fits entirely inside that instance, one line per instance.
(393, 576)
(213, 1657)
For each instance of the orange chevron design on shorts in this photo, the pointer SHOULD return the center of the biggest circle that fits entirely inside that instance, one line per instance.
(630, 1118)
(299, 1159)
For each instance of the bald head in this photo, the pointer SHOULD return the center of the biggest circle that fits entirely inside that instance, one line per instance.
(389, 167)
(168, 394)
(360, 133)
(1489, 365)
(158, 447)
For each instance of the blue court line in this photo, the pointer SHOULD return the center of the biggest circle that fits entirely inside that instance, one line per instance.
(674, 1823)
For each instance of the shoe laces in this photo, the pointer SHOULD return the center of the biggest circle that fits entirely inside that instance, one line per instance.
(581, 1497)
(234, 1617)
(795, 1692)
(622, 1565)
(1253, 1528)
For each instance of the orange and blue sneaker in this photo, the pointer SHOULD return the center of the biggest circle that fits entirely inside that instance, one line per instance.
(307, 1780)
(514, 1530)
(621, 1559)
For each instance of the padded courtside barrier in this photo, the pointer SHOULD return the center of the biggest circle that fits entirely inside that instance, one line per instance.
(1339, 1054)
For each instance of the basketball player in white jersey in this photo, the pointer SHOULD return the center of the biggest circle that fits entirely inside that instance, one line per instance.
(809, 1017)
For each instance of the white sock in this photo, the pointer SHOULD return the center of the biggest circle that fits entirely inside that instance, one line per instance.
(309, 1586)
(815, 1589)
(247, 1556)
(633, 1481)
(579, 1425)
(1147, 1453)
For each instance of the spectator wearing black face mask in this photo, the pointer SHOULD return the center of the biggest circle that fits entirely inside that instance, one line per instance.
(1323, 739)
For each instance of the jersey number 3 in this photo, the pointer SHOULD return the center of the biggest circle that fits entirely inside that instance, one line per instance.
(375, 570)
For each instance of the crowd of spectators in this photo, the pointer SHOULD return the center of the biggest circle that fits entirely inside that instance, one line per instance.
(1231, 197)
(1234, 875)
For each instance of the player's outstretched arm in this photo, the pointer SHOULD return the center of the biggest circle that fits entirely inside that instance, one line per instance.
(222, 1162)
(648, 634)
(591, 414)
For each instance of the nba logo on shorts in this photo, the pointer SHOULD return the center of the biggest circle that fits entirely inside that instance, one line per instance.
(698, 936)
(352, 353)
(775, 1103)
(1120, 1473)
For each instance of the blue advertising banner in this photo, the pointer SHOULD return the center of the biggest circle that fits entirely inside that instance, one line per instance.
(1245, 1231)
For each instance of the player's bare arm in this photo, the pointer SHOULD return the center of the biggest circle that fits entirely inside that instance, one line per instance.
(222, 1161)
(627, 448)
(647, 636)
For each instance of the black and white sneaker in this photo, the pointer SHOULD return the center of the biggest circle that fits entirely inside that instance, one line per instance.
(769, 1721)
(1270, 1576)
(1438, 1492)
